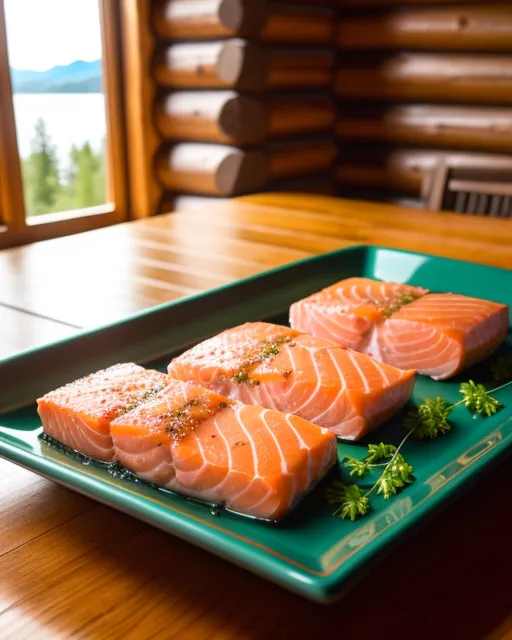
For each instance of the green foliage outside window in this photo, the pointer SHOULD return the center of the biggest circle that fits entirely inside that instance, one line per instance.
(47, 190)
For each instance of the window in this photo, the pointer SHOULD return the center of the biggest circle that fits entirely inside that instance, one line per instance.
(62, 161)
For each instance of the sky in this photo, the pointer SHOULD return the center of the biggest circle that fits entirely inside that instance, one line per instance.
(44, 33)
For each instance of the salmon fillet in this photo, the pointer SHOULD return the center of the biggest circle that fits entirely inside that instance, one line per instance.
(193, 441)
(348, 311)
(442, 334)
(79, 414)
(408, 327)
(276, 367)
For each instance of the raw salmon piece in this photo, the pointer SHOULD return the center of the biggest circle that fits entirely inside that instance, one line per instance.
(441, 334)
(79, 414)
(196, 442)
(348, 311)
(406, 327)
(276, 367)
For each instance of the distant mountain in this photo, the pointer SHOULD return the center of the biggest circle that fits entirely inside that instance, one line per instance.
(77, 77)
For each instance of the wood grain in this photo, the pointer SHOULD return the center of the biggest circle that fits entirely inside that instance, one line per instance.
(472, 28)
(20, 331)
(115, 112)
(203, 19)
(291, 115)
(428, 76)
(289, 159)
(460, 127)
(73, 568)
(394, 3)
(12, 206)
(211, 116)
(242, 65)
(102, 574)
(142, 138)
(166, 257)
(234, 118)
(270, 22)
(211, 169)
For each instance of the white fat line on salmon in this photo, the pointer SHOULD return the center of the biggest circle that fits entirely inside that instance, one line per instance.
(333, 315)
(218, 487)
(302, 445)
(358, 369)
(309, 400)
(269, 493)
(150, 474)
(335, 403)
(339, 371)
(373, 347)
(263, 396)
(237, 410)
(87, 432)
(380, 369)
(415, 345)
(284, 465)
(338, 395)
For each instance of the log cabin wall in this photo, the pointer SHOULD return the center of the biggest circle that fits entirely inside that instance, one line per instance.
(242, 97)
(417, 80)
(355, 97)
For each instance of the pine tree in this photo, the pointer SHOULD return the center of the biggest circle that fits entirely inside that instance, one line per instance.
(86, 176)
(40, 173)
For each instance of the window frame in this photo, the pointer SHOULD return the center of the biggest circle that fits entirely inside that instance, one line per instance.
(15, 227)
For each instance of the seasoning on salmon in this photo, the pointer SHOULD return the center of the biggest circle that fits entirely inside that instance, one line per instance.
(79, 414)
(441, 334)
(279, 368)
(348, 311)
(196, 442)
(408, 327)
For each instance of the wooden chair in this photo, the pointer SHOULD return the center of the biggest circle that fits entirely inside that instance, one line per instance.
(474, 191)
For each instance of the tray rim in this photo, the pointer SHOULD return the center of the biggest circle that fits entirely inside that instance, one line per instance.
(326, 587)
(322, 587)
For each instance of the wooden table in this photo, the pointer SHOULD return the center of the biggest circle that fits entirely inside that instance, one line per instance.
(71, 567)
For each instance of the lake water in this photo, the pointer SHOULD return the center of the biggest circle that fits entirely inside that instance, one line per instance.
(71, 118)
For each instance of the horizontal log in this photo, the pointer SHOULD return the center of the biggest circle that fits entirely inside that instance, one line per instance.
(394, 3)
(222, 170)
(479, 128)
(460, 28)
(298, 25)
(211, 169)
(211, 116)
(405, 169)
(229, 117)
(300, 68)
(302, 157)
(268, 21)
(418, 76)
(296, 114)
(197, 19)
(242, 65)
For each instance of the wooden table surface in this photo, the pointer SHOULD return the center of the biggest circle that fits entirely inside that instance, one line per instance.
(70, 567)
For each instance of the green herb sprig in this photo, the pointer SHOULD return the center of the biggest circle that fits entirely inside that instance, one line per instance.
(352, 501)
(428, 421)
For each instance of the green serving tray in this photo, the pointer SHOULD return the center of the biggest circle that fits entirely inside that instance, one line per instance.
(311, 553)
